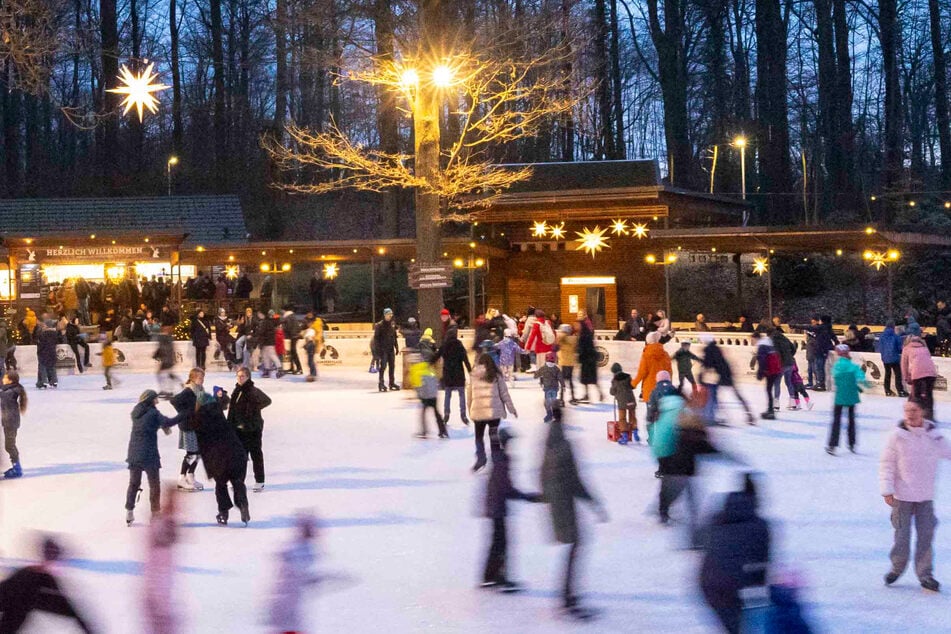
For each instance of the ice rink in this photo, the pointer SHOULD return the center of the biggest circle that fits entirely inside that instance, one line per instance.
(401, 537)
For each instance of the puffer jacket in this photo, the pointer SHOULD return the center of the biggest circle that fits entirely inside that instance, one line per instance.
(909, 465)
(916, 361)
(488, 401)
(663, 433)
(889, 346)
(567, 349)
(653, 360)
(11, 398)
(143, 444)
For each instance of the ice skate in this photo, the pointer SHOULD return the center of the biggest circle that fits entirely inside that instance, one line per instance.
(394, 388)
(830, 451)
(579, 613)
(13, 472)
(222, 519)
(891, 577)
(479, 464)
(196, 485)
(637, 437)
(185, 485)
(129, 518)
(793, 407)
(809, 404)
(508, 587)
(258, 487)
(245, 514)
(931, 584)
(623, 440)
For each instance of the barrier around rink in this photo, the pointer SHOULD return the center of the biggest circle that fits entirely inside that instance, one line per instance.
(352, 350)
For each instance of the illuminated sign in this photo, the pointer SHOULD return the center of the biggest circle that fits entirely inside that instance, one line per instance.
(586, 281)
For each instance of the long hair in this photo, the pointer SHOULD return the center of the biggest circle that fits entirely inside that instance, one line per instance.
(14, 377)
(491, 370)
(193, 373)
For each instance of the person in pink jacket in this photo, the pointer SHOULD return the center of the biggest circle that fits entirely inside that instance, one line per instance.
(907, 473)
(918, 370)
(535, 342)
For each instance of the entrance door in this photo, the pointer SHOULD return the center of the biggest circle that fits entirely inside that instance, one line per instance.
(594, 301)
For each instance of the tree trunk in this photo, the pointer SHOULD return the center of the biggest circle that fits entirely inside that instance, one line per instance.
(617, 84)
(605, 145)
(387, 118)
(136, 130)
(220, 125)
(177, 133)
(567, 126)
(772, 127)
(888, 35)
(280, 76)
(109, 146)
(940, 93)
(11, 133)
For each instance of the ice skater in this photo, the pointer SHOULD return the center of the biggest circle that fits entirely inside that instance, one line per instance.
(168, 381)
(158, 569)
(561, 486)
(143, 453)
(244, 413)
(849, 381)
(626, 404)
(12, 405)
(489, 402)
(684, 359)
(551, 380)
(907, 474)
(567, 351)
(185, 401)
(423, 378)
(499, 491)
(108, 361)
(34, 588)
(295, 574)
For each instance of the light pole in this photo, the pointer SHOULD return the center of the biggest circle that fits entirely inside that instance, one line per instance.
(669, 259)
(471, 265)
(172, 160)
(740, 142)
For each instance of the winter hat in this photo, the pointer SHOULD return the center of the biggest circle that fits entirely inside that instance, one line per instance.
(505, 435)
(663, 375)
(684, 344)
(913, 328)
(387, 311)
(148, 396)
(550, 357)
(411, 321)
(509, 332)
(653, 337)
(565, 328)
(842, 350)
(444, 312)
(706, 338)
(428, 333)
(616, 367)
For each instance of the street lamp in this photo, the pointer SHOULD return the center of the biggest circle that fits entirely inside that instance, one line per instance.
(471, 265)
(172, 160)
(740, 142)
(669, 259)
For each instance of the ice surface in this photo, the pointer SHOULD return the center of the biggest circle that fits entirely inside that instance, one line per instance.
(401, 535)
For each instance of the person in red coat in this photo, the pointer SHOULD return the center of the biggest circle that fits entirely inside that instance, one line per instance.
(536, 338)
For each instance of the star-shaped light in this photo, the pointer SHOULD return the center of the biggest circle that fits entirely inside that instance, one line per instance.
(330, 271)
(877, 259)
(619, 227)
(760, 265)
(557, 231)
(639, 231)
(592, 240)
(138, 90)
(540, 229)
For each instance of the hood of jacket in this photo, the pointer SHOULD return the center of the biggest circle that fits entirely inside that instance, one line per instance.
(739, 507)
(141, 409)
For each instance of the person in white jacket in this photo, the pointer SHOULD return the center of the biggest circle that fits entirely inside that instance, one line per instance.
(907, 473)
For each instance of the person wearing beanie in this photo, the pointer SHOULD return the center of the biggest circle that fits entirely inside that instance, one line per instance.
(143, 453)
(387, 347)
(499, 490)
(13, 401)
(890, 348)
(411, 334)
(567, 342)
(663, 387)
(446, 322)
(918, 370)
(849, 381)
(549, 376)
(653, 359)
(427, 346)
(685, 359)
(626, 404)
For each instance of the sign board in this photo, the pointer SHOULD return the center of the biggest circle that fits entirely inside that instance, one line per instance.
(424, 275)
(30, 281)
(103, 253)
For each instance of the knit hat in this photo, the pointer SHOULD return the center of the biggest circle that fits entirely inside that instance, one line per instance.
(663, 375)
(550, 357)
(842, 350)
(653, 337)
(616, 367)
(444, 312)
(706, 338)
(148, 396)
(428, 333)
(387, 311)
(411, 320)
(913, 328)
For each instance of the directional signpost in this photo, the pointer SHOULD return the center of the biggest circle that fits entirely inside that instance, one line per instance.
(430, 274)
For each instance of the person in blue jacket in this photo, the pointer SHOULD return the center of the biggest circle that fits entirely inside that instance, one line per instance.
(889, 346)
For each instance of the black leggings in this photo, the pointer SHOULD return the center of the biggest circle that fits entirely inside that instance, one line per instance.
(135, 484)
(189, 462)
(200, 357)
(495, 562)
(493, 425)
(80, 365)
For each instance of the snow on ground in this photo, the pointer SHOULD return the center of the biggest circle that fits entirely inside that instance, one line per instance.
(401, 534)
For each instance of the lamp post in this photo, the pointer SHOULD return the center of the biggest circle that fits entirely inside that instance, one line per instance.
(740, 142)
(669, 259)
(172, 160)
(471, 265)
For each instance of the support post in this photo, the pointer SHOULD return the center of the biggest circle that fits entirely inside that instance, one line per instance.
(769, 286)
(667, 285)
(472, 303)
(889, 309)
(372, 288)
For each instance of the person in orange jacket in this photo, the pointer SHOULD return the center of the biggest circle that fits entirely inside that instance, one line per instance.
(653, 360)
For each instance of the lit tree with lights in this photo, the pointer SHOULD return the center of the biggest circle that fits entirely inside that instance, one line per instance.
(493, 101)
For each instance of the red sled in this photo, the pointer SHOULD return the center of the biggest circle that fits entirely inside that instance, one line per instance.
(613, 433)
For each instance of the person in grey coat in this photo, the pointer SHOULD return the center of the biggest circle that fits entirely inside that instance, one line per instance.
(561, 485)
(143, 453)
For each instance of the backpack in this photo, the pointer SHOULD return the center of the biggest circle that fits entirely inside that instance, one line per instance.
(548, 335)
(774, 364)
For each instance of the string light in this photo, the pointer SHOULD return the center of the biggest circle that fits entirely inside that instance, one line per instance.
(619, 227)
(557, 231)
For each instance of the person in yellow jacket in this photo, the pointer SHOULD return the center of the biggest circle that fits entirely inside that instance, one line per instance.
(313, 344)
(567, 351)
(108, 360)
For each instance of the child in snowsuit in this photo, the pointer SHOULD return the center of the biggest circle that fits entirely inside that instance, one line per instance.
(498, 492)
(12, 405)
(567, 351)
(549, 376)
(508, 354)
(108, 360)
(685, 359)
(849, 382)
(626, 404)
(422, 376)
(798, 388)
(143, 454)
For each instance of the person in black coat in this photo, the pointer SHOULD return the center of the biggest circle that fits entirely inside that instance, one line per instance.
(224, 338)
(244, 287)
(222, 453)
(736, 557)
(454, 359)
(386, 347)
(143, 453)
(76, 341)
(35, 588)
(716, 373)
(244, 414)
(499, 491)
(201, 337)
(46, 340)
(411, 334)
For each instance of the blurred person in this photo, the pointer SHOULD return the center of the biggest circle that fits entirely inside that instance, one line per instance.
(292, 331)
(810, 336)
(625, 403)
(223, 337)
(769, 367)
(201, 337)
(567, 351)
(918, 370)
(540, 338)
(785, 614)
(185, 402)
(890, 348)
(716, 373)
(561, 485)
(849, 381)
(108, 354)
(143, 453)
(489, 403)
(684, 359)
(798, 388)
(295, 574)
(907, 474)
(653, 359)
(587, 356)
(387, 346)
(168, 381)
(509, 355)
(36, 588)
(736, 557)
(787, 359)
(423, 379)
(244, 414)
(13, 402)
(265, 336)
(664, 387)
(311, 348)
(499, 490)
(411, 334)
(551, 381)
(455, 364)
(46, 340)
(76, 340)
(427, 346)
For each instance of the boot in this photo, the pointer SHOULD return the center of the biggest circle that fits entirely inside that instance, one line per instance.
(637, 437)
(245, 514)
(129, 518)
(902, 394)
(222, 518)
(184, 484)
(258, 487)
(624, 439)
(196, 485)
(13, 472)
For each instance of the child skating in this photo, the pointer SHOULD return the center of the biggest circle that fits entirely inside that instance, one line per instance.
(549, 376)
(849, 382)
(108, 360)
(12, 406)
(626, 404)
(799, 389)
(685, 359)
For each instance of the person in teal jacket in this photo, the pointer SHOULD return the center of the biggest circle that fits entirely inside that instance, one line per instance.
(849, 382)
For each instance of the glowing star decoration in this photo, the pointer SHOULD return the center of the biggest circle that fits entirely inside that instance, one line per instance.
(878, 259)
(330, 271)
(760, 265)
(639, 231)
(592, 240)
(619, 227)
(138, 90)
(540, 229)
(557, 231)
